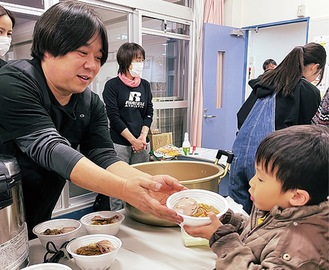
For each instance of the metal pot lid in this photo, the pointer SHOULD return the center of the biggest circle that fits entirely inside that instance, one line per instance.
(8, 166)
(9, 177)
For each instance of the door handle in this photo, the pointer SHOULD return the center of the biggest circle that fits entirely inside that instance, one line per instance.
(206, 115)
(209, 116)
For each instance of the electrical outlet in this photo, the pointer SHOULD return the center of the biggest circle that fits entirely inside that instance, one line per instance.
(301, 11)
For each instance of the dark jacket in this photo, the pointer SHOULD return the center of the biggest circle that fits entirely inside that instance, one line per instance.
(297, 109)
(2, 63)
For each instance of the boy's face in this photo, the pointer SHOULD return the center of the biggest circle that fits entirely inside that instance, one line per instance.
(266, 191)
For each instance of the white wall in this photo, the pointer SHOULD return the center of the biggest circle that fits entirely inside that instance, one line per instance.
(265, 11)
(273, 42)
(243, 13)
(240, 13)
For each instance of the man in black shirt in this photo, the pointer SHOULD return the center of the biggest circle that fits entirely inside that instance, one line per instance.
(47, 113)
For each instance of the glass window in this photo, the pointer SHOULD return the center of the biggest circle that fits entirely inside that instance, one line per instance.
(167, 47)
(165, 26)
(186, 3)
(117, 31)
(166, 66)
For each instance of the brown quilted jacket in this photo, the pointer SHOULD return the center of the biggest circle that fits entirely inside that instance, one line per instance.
(292, 238)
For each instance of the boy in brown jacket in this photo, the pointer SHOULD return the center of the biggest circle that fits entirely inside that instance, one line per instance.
(289, 224)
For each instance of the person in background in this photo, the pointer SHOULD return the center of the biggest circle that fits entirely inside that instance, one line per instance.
(7, 23)
(47, 112)
(321, 116)
(129, 107)
(280, 98)
(269, 64)
(288, 226)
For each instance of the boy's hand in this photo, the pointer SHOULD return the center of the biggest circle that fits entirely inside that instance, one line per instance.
(205, 231)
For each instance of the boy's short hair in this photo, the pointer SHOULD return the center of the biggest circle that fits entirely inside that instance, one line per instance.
(298, 156)
(268, 62)
(126, 53)
(65, 27)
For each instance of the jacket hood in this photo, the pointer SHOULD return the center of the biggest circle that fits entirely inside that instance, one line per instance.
(261, 90)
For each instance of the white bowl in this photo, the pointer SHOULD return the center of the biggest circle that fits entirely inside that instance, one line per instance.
(201, 196)
(58, 239)
(111, 229)
(94, 262)
(48, 266)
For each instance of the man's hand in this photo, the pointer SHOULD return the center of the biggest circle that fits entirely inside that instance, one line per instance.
(150, 195)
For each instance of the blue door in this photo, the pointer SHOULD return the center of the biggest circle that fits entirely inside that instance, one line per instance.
(229, 45)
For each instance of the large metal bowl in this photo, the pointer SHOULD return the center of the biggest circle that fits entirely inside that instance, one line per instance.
(192, 174)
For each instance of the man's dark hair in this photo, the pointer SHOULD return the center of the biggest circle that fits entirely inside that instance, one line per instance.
(298, 156)
(268, 62)
(65, 27)
(126, 53)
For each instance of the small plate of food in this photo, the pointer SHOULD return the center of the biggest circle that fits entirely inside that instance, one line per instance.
(168, 151)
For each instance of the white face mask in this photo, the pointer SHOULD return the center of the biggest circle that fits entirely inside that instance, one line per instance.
(4, 45)
(137, 68)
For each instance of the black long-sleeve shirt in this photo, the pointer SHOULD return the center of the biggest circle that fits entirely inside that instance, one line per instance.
(45, 136)
(127, 107)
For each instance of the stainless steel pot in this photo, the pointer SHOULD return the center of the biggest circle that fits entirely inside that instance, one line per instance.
(192, 174)
(14, 248)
